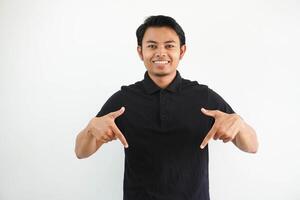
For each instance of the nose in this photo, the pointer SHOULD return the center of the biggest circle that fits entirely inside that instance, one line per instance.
(161, 52)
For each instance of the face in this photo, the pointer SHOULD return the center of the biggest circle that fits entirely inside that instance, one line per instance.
(161, 51)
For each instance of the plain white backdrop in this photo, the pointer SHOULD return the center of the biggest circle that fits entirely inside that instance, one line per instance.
(61, 60)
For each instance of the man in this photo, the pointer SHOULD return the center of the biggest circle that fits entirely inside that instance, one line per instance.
(165, 122)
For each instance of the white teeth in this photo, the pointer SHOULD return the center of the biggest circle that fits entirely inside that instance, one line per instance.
(161, 62)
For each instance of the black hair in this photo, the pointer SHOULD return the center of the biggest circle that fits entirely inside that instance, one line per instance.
(160, 21)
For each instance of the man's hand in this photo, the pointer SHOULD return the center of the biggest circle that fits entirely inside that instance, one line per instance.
(225, 128)
(105, 130)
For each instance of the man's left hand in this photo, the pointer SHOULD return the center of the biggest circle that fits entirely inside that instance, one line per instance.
(226, 126)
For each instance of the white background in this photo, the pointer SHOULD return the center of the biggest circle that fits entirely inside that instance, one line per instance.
(61, 60)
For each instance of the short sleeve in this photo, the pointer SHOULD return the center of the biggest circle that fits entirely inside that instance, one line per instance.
(216, 102)
(114, 103)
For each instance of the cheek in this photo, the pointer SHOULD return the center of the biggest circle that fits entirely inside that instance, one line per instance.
(175, 56)
(147, 56)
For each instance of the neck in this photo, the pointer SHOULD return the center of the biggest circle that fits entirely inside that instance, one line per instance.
(162, 81)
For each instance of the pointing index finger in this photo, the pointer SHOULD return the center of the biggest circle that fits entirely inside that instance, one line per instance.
(119, 135)
(208, 137)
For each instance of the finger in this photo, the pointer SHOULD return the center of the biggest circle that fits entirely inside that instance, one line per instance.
(226, 140)
(221, 133)
(217, 136)
(211, 113)
(110, 138)
(119, 135)
(208, 137)
(104, 140)
(110, 135)
(117, 113)
(223, 137)
(105, 137)
(227, 134)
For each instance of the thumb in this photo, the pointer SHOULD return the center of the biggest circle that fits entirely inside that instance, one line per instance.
(118, 112)
(211, 113)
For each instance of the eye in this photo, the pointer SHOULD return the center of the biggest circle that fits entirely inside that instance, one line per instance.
(151, 46)
(169, 46)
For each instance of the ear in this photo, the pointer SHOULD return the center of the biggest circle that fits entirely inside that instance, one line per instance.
(139, 50)
(182, 51)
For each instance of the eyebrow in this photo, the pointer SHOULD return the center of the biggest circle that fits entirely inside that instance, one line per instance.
(166, 42)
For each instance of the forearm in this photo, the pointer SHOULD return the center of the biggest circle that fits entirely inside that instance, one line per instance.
(86, 144)
(246, 139)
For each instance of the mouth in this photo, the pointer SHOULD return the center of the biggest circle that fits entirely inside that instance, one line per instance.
(161, 62)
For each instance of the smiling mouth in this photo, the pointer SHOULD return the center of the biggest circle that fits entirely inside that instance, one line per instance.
(162, 62)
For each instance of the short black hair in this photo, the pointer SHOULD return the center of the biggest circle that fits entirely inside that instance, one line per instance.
(159, 21)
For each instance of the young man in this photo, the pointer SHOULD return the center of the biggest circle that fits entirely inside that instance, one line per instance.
(165, 122)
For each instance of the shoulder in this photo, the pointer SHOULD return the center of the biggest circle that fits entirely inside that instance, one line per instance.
(195, 85)
(187, 84)
(117, 96)
(118, 99)
(134, 87)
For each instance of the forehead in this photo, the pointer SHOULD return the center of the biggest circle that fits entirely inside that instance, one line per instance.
(160, 34)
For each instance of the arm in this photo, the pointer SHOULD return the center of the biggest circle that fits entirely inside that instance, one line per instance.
(246, 139)
(100, 130)
(231, 127)
(86, 143)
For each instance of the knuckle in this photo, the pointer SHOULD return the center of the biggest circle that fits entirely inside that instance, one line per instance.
(103, 136)
(109, 134)
(223, 131)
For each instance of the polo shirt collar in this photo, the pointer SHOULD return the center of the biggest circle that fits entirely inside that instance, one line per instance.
(151, 87)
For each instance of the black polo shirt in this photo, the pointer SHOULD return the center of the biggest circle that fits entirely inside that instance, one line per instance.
(164, 129)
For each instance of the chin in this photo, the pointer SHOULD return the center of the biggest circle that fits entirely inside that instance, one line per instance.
(161, 74)
(153, 70)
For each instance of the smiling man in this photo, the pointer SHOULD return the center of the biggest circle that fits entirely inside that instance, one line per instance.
(161, 51)
(165, 122)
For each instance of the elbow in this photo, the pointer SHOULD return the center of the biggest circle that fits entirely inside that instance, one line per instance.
(78, 150)
(249, 150)
(79, 155)
(253, 149)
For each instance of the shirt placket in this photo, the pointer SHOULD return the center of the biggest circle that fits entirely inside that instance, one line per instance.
(163, 108)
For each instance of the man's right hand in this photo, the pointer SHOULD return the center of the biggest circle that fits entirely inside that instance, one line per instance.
(105, 130)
